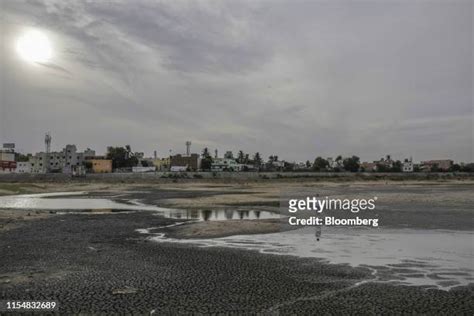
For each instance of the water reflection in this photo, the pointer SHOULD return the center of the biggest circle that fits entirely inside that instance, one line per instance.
(220, 215)
(39, 202)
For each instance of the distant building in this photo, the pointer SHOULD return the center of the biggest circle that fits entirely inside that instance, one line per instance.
(300, 166)
(408, 165)
(162, 164)
(7, 155)
(101, 165)
(78, 171)
(38, 163)
(386, 162)
(57, 162)
(368, 166)
(89, 154)
(229, 155)
(443, 164)
(272, 165)
(178, 168)
(7, 158)
(7, 166)
(191, 162)
(23, 167)
(225, 164)
(143, 169)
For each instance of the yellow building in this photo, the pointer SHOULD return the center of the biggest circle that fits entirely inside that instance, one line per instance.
(101, 165)
(162, 164)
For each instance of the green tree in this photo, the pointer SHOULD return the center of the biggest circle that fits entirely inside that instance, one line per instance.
(455, 168)
(397, 166)
(257, 160)
(206, 161)
(351, 164)
(381, 167)
(339, 164)
(122, 157)
(320, 164)
(273, 158)
(288, 166)
(435, 168)
(87, 165)
(468, 167)
(146, 163)
(21, 157)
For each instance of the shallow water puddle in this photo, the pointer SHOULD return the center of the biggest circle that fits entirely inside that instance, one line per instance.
(43, 202)
(435, 258)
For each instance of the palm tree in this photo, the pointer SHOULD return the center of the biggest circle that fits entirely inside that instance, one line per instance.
(257, 160)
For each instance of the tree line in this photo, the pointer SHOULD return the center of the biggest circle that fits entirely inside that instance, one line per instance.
(124, 157)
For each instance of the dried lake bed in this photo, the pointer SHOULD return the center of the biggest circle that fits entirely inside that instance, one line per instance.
(425, 255)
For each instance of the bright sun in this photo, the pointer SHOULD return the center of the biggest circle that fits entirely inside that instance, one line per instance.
(34, 46)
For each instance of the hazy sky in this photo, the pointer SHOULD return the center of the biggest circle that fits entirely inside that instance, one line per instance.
(295, 78)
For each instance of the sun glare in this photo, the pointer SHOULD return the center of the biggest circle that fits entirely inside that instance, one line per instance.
(34, 46)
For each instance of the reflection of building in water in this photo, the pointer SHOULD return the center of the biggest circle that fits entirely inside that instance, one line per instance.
(206, 214)
(243, 214)
(218, 215)
(177, 214)
(229, 214)
(194, 214)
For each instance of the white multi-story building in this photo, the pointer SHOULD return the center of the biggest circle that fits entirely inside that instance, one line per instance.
(62, 161)
(408, 165)
(23, 167)
(225, 164)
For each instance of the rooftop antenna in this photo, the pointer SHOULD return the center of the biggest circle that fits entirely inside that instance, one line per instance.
(215, 152)
(47, 142)
(188, 148)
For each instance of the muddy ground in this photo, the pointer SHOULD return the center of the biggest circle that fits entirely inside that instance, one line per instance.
(95, 263)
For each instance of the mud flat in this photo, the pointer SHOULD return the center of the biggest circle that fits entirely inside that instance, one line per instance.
(99, 263)
(217, 229)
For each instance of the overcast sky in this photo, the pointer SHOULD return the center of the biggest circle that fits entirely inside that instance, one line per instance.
(294, 78)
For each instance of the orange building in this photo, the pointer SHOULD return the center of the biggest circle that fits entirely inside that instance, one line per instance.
(101, 165)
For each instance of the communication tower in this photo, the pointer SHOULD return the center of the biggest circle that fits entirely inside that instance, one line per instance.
(188, 148)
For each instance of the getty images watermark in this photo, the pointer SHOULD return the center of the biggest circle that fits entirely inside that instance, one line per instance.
(311, 210)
